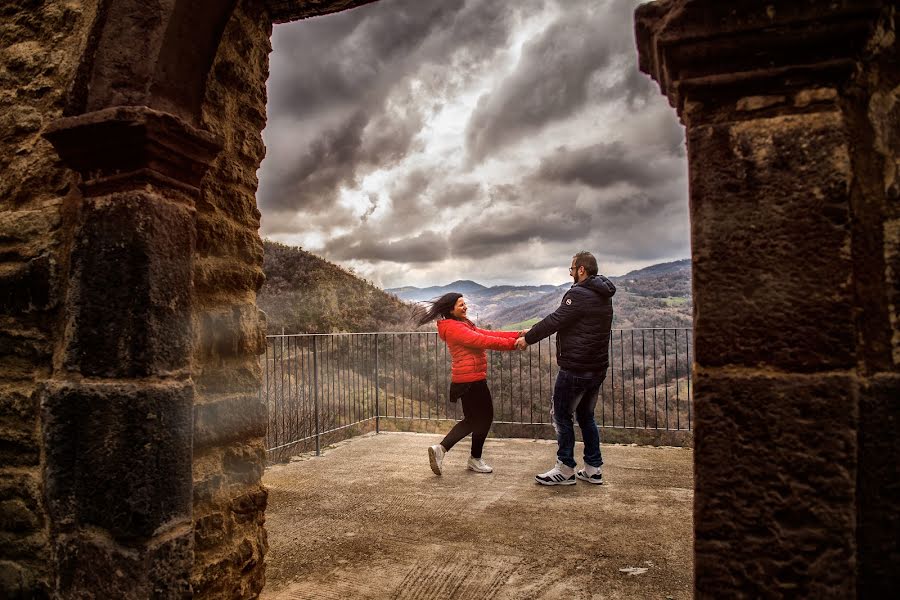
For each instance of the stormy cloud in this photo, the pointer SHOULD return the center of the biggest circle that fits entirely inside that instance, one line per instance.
(421, 141)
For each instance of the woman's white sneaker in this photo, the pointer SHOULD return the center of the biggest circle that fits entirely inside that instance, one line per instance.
(479, 466)
(560, 474)
(436, 457)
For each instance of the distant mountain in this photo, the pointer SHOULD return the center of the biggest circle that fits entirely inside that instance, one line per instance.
(655, 296)
(307, 294)
(678, 266)
(483, 301)
(414, 294)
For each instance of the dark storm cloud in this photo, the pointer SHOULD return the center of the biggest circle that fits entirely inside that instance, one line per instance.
(603, 165)
(363, 244)
(507, 225)
(639, 226)
(343, 57)
(559, 73)
(354, 97)
(457, 194)
(336, 158)
(339, 98)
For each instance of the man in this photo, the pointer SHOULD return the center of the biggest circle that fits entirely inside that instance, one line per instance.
(582, 324)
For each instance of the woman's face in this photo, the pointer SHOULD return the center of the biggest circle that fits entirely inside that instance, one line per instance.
(460, 309)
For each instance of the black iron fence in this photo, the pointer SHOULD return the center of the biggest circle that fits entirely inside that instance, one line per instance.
(328, 386)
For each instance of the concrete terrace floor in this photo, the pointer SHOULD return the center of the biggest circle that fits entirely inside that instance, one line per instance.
(368, 519)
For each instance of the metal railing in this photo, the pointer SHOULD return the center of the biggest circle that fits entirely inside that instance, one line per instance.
(328, 386)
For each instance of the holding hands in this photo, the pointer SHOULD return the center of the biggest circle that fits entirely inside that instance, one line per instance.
(521, 344)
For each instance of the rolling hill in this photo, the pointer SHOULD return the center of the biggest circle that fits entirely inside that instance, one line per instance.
(307, 294)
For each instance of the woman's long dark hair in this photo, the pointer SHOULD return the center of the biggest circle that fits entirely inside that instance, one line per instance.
(439, 308)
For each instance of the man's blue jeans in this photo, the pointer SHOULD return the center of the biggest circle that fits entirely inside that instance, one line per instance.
(576, 393)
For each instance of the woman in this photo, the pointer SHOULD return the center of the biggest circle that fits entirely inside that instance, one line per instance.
(467, 344)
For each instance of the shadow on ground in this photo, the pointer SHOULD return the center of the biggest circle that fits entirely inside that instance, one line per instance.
(368, 519)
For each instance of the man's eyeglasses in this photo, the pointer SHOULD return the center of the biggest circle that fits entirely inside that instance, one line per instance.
(573, 269)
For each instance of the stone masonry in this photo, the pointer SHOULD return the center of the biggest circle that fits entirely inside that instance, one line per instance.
(792, 113)
(130, 427)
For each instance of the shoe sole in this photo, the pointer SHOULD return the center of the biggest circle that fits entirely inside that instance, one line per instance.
(589, 480)
(477, 470)
(564, 482)
(432, 458)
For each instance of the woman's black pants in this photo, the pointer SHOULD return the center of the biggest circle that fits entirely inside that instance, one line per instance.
(478, 414)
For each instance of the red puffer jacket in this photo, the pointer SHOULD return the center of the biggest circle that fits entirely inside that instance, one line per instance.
(467, 344)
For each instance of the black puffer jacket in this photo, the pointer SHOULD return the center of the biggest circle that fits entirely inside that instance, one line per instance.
(583, 321)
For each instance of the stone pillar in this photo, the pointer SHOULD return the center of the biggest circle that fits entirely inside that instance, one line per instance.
(117, 412)
(791, 289)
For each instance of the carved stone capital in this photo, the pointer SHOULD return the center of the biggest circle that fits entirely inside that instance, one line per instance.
(713, 52)
(115, 147)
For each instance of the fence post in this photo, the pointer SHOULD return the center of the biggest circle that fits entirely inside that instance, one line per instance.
(316, 391)
(377, 395)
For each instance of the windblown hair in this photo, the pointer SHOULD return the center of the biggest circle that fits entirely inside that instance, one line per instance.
(586, 260)
(439, 308)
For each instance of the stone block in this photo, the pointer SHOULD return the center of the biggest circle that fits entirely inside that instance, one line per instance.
(19, 445)
(233, 376)
(29, 344)
(26, 234)
(245, 463)
(879, 487)
(18, 582)
(217, 277)
(131, 272)
(215, 579)
(24, 546)
(27, 287)
(775, 484)
(118, 456)
(219, 236)
(229, 419)
(892, 283)
(95, 568)
(19, 402)
(210, 531)
(21, 508)
(771, 224)
(15, 515)
(250, 506)
(230, 331)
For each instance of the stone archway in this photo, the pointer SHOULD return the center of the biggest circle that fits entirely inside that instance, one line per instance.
(130, 422)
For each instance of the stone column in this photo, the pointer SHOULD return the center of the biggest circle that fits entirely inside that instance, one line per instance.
(117, 413)
(792, 317)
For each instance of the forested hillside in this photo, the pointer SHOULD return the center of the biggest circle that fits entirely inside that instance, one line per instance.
(307, 294)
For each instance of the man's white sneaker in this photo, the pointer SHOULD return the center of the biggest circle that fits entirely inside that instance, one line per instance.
(479, 466)
(560, 474)
(590, 474)
(436, 457)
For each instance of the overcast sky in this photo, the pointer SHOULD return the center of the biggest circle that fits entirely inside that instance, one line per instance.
(423, 141)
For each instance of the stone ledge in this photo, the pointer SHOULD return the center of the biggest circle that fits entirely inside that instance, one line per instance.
(134, 139)
(708, 44)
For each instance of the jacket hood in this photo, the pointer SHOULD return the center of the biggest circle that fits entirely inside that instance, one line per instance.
(599, 285)
(444, 324)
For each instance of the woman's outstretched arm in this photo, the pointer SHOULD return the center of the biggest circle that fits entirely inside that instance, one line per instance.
(476, 338)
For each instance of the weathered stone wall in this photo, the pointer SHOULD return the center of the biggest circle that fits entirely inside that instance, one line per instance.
(230, 420)
(792, 126)
(40, 47)
(872, 106)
